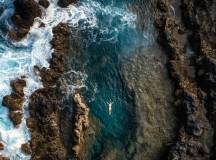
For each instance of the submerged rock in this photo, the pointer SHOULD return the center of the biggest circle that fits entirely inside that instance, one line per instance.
(155, 121)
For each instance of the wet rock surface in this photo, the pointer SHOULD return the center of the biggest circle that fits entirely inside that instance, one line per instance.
(189, 43)
(44, 106)
(44, 3)
(26, 148)
(1, 146)
(15, 100)
(4, 158)
(65, 3)
(25, 13)
(56, 134)
(81, 123)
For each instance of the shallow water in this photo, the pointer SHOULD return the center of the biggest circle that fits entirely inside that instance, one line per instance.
(107, 32)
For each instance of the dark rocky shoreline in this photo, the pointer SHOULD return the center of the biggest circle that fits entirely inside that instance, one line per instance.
(194, 75)
(23, 18)
(47, 133)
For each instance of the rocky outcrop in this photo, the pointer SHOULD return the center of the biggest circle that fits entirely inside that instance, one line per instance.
(15, 100)
(44, 106)
(23, 18)
(4, 158)
(46, 121)
(81, 123)
(60, 43)
(44, 3)
(65, 3)
(1, 146)
(184, 42)
(26, 148)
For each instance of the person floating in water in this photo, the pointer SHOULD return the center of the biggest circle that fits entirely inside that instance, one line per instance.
(110, 107)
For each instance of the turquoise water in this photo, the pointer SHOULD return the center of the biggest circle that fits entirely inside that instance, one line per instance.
(107, 32)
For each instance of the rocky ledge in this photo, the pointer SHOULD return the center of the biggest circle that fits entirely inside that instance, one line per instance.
(4, 158)
(15, 100)
(81, 123)
(23, 18)
(189, 43)
(65, 3)
(44, 3)
(46, 123)
(44, 106)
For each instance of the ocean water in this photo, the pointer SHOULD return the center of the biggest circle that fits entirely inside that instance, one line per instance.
(108, 31)
(100, 55)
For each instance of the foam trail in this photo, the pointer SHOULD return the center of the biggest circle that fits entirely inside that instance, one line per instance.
(18, 59)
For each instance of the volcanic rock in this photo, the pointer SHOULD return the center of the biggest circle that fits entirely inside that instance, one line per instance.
(26, 148)
(44, 107)
(163, 5)
(81, 122)
(25, 13)
(1, 146)
(4, 158)
(13, 101)
(44, 3)
(18, 85)
(16, 117)
(65, 3)
(195, 130)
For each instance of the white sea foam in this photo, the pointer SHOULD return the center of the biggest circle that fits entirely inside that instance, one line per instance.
(18, 59)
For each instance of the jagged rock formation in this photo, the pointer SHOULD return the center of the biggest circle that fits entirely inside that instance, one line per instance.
(44, 3)
(4, 158)
(60, 43)
(1, 146)
(26, 148)
(65, 3)
(46, 120)
(15, 100)
(44, 106)
(25, 13)
(189, 42)
(81, 123)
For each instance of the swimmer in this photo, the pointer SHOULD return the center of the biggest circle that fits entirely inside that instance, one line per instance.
(110, 107)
